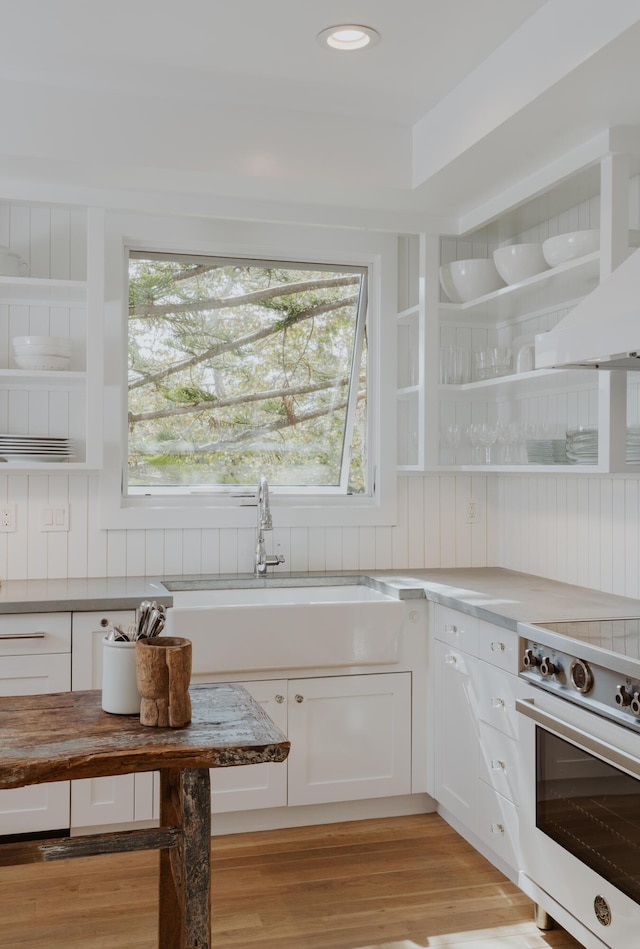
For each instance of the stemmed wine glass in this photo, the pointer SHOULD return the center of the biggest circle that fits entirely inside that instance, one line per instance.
(483, 434)
(451, 435)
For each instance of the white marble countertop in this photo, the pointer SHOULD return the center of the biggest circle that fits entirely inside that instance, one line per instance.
(491, 593)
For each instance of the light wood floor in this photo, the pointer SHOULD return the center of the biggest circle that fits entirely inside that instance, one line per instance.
(400, 883)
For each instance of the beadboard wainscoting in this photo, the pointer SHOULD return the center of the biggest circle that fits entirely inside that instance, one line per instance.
(430, 532)
(583, 530)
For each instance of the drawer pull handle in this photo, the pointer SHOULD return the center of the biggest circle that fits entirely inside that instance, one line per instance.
(497, 702)
(450, 659)
(35, 635)
(498, 766)
(497, 828)
(497, 647)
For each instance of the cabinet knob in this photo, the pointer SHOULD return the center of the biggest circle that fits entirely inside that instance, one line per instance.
(299, 698)
(104, 622)
(497, 647)
(450, 659)
(450, 628)
(497, 702)
(497, 828)
(279, 699)
(498, 766)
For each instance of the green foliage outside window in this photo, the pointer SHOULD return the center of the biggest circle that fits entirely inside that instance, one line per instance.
(240, 368)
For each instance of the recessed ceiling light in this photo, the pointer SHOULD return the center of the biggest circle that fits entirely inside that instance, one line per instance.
(348, 37)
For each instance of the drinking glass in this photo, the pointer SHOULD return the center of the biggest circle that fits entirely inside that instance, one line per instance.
(451, 435)
(484, 435)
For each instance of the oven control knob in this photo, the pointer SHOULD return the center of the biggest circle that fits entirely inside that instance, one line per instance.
(635, 704)
(623, 698)
(581, 676)
(530, 660)
(547, 667)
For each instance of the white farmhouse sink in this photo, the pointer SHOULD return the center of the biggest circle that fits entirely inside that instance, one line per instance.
(301, 627)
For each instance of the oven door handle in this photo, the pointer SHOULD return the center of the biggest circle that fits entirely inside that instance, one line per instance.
(576, 736)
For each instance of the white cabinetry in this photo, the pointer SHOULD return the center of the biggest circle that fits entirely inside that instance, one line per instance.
(255, 785)
(476, 686)
(528, 412)
(411, 353)
(120, 798)
(35, 657)
(61, 249)
(455, 719)
(350, 740)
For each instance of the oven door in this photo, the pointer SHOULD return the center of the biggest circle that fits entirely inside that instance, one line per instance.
(580, 816)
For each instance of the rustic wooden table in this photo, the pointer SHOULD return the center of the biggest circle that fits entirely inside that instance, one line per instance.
(63, 736)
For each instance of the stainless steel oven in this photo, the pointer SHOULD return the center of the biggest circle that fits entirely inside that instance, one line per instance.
(580, 778)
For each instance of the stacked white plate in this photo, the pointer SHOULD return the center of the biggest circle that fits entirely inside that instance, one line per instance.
(633, 446)
(34, 448)
(547, 451)
(582, 446)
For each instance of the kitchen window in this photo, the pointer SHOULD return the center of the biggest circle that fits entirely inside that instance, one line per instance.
(239, 348)
(239, 367)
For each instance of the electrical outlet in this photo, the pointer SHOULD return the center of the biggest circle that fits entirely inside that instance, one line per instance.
(8, 518)
(471, 513)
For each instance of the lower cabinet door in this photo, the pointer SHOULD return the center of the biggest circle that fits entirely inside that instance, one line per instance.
(256, 785)
(456, 746)
(40, 807)
(498, 824)
(350, 737)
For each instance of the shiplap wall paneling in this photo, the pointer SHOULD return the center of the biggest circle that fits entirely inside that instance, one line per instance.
(52, 241)
(583, 530)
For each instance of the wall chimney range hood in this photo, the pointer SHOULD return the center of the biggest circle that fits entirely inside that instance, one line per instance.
(603, 330)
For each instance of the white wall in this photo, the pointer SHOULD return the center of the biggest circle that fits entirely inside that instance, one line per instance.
(430, 532)
(583, 529)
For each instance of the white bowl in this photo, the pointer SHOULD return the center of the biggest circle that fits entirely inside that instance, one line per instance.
(42, 346)
(465, 280)
(517, 262)
(43, 361)
(565, 247)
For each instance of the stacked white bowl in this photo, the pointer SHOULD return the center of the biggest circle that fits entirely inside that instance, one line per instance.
(42, 352)
(557, 250)
(516, 262)
(466, 280)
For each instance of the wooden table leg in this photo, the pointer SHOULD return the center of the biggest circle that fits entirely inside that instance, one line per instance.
(184, 918)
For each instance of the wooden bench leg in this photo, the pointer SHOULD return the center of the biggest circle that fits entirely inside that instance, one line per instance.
(184, 915)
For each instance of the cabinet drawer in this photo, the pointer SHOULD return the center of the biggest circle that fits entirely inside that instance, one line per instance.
(455, 628)
(23, 634)
(497, 693)
(499, 646)
(498, 824)
(499, 761)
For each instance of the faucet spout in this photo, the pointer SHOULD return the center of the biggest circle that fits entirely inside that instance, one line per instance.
(265, 521)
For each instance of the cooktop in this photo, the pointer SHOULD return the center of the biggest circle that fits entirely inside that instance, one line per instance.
(592, 663)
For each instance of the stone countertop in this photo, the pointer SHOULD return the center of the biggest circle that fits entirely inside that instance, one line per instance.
(507, 598)
(75, 594)
(490, 593)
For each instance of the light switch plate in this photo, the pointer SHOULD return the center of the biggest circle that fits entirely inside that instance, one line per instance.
(54, 517)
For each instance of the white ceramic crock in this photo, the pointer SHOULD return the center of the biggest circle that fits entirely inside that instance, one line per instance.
(119, 688)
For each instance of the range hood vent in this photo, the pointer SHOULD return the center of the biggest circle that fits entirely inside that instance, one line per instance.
(603, 330)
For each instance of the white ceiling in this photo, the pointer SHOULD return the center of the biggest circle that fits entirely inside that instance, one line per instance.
(237, 98)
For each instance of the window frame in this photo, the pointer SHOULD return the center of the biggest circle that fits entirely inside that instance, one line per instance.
(255, 240)
(338, 490)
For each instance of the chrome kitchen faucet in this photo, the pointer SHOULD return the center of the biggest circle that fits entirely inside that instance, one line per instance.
(265, 523)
